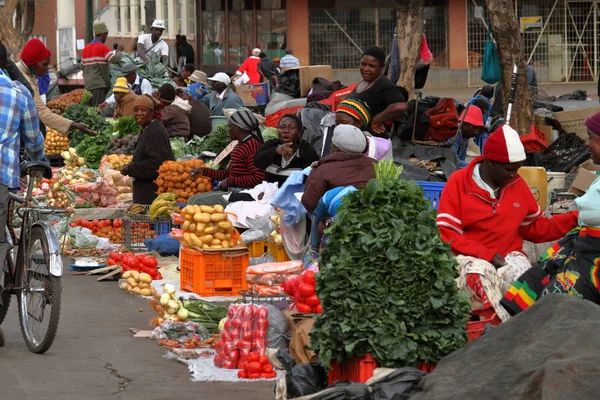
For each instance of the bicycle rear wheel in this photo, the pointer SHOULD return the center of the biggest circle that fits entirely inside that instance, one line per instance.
(39, 298)
(5, 280)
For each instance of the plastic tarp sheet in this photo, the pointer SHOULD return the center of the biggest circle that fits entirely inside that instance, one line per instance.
(549, 351)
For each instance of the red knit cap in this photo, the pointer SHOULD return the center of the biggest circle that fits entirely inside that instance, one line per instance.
(593, 123)
(473, 116)
(504, 146)
(34, 52)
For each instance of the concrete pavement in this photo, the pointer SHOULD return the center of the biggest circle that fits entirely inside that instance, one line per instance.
(96, 357)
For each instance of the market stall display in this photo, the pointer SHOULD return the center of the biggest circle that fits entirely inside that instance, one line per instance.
(59, 104)
(55, 143)
(163, 205)
(109, 229)
(271, 279)
(90, 116)
(174, 177)
(207, 227)
(303, 289)
(139, 263)
(139, 283)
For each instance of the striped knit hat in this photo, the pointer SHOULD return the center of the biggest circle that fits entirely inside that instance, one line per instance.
(357, 109)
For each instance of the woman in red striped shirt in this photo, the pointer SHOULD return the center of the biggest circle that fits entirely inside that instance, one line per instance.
(241, 172)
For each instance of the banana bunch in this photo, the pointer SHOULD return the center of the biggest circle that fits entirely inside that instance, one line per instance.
(164, 205)
(137, 209)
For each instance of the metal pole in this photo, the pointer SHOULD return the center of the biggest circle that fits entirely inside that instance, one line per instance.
(89, 20)
(343, 31)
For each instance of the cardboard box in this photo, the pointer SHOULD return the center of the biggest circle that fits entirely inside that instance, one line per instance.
(586, 175)
(574, 121)
(309, 73)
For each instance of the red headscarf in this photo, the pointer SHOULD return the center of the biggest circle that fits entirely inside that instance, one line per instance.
(34, 52)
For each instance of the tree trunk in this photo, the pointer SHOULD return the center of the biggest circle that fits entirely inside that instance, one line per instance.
(14, 37)
(508, 39)
(409, 25)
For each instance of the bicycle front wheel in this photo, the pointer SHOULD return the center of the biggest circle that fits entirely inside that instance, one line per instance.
(39, 298)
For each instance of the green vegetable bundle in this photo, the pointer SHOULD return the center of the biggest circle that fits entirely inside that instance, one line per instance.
(386, 281)
(215, 142)
(126, 126)
(93, 148)
(87, 115)
(205, 313)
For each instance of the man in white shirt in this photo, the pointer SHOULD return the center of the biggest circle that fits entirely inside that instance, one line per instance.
(135, 82)
(152, 43)
(289, 61)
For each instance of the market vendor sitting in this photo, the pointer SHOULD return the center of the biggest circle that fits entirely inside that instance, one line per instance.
(222, 97)
(124, 98)
(152, 149)
(485, 212)
(174, 113)
(345, 166)
(241, 173)
(471, 126)
(572, 265)
(357, 113)
(280, 157)
(135, 82)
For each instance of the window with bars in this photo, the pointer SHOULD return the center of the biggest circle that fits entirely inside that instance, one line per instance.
(127, 17)
(351, 30)
(191, 15)
(165, 14)
(118, 16)
(177, 8)
(213, 32)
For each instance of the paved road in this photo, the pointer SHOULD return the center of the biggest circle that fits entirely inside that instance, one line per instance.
(96, 357)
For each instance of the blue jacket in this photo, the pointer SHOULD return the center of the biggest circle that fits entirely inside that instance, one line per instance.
(216, 105)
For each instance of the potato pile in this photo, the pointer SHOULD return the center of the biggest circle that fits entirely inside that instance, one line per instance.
(118, 160)
(59, 105)
(139, 283)
(207, 227)
(55, 143)
(174, 177)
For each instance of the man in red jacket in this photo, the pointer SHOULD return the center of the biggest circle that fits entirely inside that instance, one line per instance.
(486, 211)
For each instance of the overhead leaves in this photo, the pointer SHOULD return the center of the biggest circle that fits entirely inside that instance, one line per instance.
(387, 281)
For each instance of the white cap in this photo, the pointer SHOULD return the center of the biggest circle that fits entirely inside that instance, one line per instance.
(256, 52)
(221, 77)
(158, 24)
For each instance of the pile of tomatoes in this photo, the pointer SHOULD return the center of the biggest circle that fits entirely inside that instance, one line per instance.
(132, 262)
(302, 288)
(245, 332)
(256, 366)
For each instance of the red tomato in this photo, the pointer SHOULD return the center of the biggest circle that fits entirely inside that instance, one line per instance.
(115, 256)
(259, 345)
(242, 364)
(140, 257)
(253, 356)
(232, 310)
(248, 313)
(242, 374)
(264, 360)
(288, 288)
(303, 308)
(244, 354)
(150, 262)
(227, 324)
(236, 322)
(268, 368)
(234, 333)
(246, 334)
(117, 223)
(306, 290)
(229, 347)
(246, 325)
(218, 361)
(259, 333)
(261, 323)
(318, 309)
(313, 301)
(263, 313)
(232, 355)
(254, 367)
(244, 344)
(309, 277)
(110, 261)
(134, 264)
(268, 375)
(253, 376)
(229, 364)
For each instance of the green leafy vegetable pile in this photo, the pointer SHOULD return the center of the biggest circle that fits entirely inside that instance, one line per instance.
(126, 126)
(93, 148)
(386, 281)
(178, 147)
(153, 70)
(87, 115)
(215, 142)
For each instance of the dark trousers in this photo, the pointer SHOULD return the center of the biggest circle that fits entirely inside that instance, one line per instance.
(98, 96)
(4, 246)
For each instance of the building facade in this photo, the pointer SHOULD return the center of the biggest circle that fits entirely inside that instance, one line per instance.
(560, 37)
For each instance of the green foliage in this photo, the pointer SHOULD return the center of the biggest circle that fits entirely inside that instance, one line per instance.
(215, 142)
(87, 115)
(126, 126)
(386, 281)
(93, 148)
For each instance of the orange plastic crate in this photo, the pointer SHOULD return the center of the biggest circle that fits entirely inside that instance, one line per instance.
(213, 274)
(476, 328)
(257, 248)
(278, 251)
(357, 369)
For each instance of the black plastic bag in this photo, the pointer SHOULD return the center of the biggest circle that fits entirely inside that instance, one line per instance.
(305, 379)
(399, 385)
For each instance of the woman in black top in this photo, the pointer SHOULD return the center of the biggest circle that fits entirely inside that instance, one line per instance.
(384, 97)
(280, 157)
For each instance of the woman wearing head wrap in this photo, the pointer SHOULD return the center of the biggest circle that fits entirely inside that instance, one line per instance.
(241, 172)
(383, 96)
(571, 266)
(152, 149)
(345, 166)
(250, 67)
(174, 112)
(485, 212)
(357, 113)
(35, 59)
(286, 154)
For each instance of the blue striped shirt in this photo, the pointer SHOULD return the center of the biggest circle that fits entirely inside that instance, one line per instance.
(331, 201)
(18, 121)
